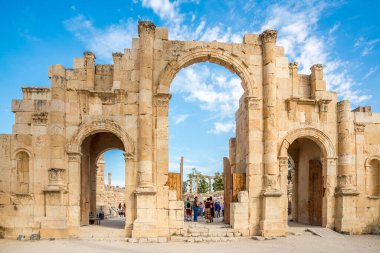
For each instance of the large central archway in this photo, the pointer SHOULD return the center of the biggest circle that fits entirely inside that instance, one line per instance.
(219, 56)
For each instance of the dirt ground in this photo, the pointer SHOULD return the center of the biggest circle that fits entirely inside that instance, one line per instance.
(300, 243)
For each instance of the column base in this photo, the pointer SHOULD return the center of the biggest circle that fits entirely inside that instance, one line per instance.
(145, 224)
(272, 223)
(346, 220)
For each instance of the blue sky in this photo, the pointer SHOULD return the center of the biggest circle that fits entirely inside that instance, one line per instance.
(342, 35)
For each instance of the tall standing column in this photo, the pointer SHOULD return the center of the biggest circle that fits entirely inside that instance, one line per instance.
(145, 224)
(346, 201)
(145, 122)
(271, 170)
(272, 219)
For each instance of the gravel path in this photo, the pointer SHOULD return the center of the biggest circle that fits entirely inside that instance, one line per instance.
(302, 243)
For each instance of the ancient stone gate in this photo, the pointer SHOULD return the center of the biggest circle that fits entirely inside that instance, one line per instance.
(48, 164)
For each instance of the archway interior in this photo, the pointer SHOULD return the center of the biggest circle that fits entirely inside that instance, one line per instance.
(305, 195)
(92, 150)
(205, 98)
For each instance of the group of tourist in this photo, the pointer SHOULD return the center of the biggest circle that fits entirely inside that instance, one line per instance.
(209, 209)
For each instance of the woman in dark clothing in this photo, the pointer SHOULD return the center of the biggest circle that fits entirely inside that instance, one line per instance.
(207, 210)
(212, 210)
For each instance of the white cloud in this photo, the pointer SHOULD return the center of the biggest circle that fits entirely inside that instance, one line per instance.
(220, 128)
(163, 8)
(180, 118)
(214, 89)
(297, 25)
(102, 42)
(371, 71)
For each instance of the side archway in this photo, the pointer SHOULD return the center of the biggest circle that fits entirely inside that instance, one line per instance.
(214, 55)
(94, 127)
(313, 189)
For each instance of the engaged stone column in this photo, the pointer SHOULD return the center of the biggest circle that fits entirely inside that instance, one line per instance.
(346, 219)
(145, 122)
(345, 159)
(56, 126)
(268, 39)
(74, 187)
(272, 218)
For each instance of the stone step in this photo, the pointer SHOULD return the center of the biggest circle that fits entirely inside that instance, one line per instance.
(324, 232)
(203, 239)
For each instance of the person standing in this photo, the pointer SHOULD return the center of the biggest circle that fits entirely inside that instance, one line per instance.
(217, 209)
(188, 209)
(212, 210)
(195, 209)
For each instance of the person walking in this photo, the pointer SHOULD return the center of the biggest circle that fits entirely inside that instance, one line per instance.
(195, 209)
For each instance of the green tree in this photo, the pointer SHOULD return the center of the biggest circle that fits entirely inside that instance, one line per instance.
(218, 184)
(184, 186)
(203, 184)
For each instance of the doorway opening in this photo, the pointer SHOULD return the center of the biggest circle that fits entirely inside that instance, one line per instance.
(305, 182)
(102, 157)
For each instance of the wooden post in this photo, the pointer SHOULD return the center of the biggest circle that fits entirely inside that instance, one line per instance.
(181, 175)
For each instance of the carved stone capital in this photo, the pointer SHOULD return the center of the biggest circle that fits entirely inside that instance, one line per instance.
(283, 162)
(253, 103)
(146, 27)
(74, 156)
(128, 156)
(161, 101)
(117, 55)
(89, 55)
(56, 176)
(269, 36)
(324, 105)
(316, 67)
(293, 65)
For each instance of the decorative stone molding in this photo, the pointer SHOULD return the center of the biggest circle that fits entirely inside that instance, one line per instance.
(253, 103)
(40, 118)
(74, 156)
(359, 128)
(146, 27)
(269, 36)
